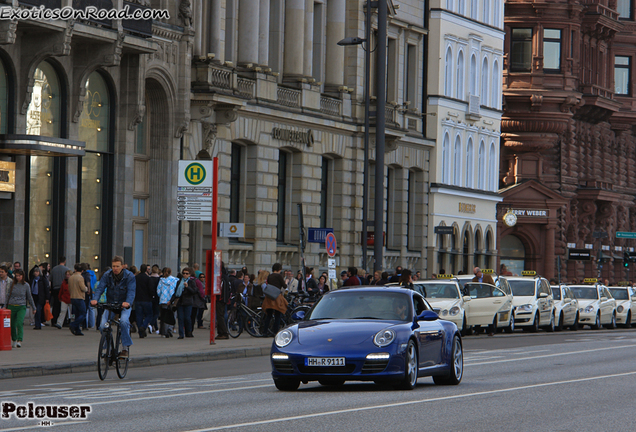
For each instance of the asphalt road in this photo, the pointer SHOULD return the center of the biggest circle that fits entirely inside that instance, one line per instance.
(569, 381)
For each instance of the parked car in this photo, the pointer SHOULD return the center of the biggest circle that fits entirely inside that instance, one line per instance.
(533, 302)
(597, 307)
(625, 297)
(566, 308)
(446, 298)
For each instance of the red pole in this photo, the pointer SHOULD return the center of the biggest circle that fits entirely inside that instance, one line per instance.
(215, 200)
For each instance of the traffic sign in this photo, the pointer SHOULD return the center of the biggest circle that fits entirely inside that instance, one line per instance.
(626, 234)
(195, 173)
(331, 245)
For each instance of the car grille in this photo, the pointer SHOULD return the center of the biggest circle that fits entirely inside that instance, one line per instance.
(347, 369)
(437, 310)
(284, 366)
(374, 366)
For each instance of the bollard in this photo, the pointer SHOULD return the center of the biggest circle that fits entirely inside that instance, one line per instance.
(5, 330)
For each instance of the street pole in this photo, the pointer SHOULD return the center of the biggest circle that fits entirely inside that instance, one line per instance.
(215, 201)
(379, 137)
(367, 103)
(301, 227)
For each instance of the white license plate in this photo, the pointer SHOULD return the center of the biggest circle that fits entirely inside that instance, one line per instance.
(324, 361)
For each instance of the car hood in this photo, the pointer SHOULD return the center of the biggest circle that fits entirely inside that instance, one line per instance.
(625, 303)
(583, 303)
(341, 332)
(443, 303)
(518, 301)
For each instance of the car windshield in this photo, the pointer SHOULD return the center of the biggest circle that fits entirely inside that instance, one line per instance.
(482, 290)
(585, 293)
(438, 290)
(556, 293)
(356, 304)
(619, 293)
(522, 288)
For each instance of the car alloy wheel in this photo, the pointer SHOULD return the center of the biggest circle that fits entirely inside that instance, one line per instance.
(511, 326)
(550, 327)
(597, 324)
(456, 372)
(575, 326)
(612, 324)
(628, 320)
(410, 366)
(559, 327)
(535, 323)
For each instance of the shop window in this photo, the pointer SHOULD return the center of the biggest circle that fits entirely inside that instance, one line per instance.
(477, 257)
(521, 50)
(551, 50)
(622, 73)
(466, 253)
(624, 9)
(512, 253)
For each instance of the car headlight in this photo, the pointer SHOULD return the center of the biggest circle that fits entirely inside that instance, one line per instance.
(620, 309)
(444, 312)
(283, 338)
(454, 310)
(589, 309)
(384, 338)
(581, 310)
(525, 308)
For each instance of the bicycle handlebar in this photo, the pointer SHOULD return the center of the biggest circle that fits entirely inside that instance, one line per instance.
(113, 307)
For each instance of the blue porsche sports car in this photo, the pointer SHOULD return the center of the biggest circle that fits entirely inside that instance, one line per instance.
(381, 334)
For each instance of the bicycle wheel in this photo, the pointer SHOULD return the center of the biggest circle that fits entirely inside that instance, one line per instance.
(121, 364)
(103, 356)
(252, 326)
(234, 323)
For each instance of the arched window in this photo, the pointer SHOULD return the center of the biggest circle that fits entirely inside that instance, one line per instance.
(457, 162)
(486, 16)
(470, 162)
(492, 168)
(481, 166)
(488, 249)
(494, 100)
(448, 75)
(473, 75)
(477, 245)
(466, 252)
(460, 75)
(445, 159)
(474, 9)
(484, 82)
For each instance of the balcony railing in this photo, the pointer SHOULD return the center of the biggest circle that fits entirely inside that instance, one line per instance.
(288, 97)
(245, 87)
(330, 106)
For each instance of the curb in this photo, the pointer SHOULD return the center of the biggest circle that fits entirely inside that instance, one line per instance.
(143, 361)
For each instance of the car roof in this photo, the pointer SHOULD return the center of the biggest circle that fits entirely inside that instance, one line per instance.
(439, 281)
(374, 288)
(517, 278)
(618, 287)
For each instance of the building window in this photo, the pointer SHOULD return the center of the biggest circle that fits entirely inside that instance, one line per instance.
(460, 75)
(411, 75)
(473, 75)
(465, 253)
(624, 9)
(4, 98)
(481, 166)
(445, 159)
(486, 16)
(282, 195)
(476, 260)
(235, 183)
(457, 162)
(461, 7)
(622, 72)
(390, 199)
(470, 162)
(391, 71)
(497, 18)
(474, 9)
(492, 167)
(484, 82)
(325, 193)
(496, 81)
(449, 5)
(521, 50)
(551, 50)
(448, 73)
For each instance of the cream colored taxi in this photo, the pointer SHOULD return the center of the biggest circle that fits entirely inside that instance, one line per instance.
(597, 307)
(495, 302)
(566, 308)
(625, 297)
(444, 295)
(532, 301)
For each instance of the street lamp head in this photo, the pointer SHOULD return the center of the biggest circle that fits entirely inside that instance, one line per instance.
(348, 41)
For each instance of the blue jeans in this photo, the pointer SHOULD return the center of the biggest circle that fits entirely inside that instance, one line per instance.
(124, 323)
(185, 322)
(144, 314)
(79, 309)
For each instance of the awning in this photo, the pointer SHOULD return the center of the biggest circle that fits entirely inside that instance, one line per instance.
(36, 145)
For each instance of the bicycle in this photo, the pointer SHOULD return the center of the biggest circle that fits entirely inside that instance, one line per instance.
(242, 317)
(108, 352)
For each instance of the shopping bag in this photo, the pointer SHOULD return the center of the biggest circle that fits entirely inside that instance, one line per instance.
(48, 316)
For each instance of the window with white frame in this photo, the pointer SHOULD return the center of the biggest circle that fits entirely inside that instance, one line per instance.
(448, 73)
(460, 75)
(473, 75)
(470, 163)
(445, 159)
(474, 9)
(496, 78)
(410, 87)
(481, 166)
(484, 82)
(457, 162)
(492, 163)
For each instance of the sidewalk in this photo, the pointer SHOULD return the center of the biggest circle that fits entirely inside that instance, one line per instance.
(51, 351)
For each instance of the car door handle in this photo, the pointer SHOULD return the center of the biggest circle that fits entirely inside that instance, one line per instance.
(497, 302)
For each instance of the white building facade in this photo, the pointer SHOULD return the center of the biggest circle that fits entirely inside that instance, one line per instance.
(464, 116)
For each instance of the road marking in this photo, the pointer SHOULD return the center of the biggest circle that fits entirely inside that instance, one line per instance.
(529, 352)
(553, 355)
(62, 423)
(400, 404)
(64, 383)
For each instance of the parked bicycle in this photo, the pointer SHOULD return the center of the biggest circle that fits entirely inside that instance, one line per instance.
(109, 347)
(243, 318)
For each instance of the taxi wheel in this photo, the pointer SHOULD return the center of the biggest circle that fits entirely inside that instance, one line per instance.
(559, 326)
(575, 326)
(550, 327)
(456, 372)
(511, 326)
(410, 368)
(628, 320)
(612, 324)
(287, 384)
(597, 324)
(466, 331)
(535, 324)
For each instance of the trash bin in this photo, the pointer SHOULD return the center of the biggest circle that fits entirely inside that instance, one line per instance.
(5, 330)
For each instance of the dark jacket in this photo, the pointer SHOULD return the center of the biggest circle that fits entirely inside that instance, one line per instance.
(198, 300)
(190, 289)
(312, 286)
(352, 281)
(124, 291)
(254, 296)
(44, 294)
(144, 291)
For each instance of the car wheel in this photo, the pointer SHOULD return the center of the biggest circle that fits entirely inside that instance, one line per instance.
(287, 384)
(550, 327)
(511, 326)
(456, 372)
(628, 320)
(597, 324)
(575, 326)
(535, 323)
(331, 382)
(410, 368)
(612, 324)
(559, 326)
(464, 327)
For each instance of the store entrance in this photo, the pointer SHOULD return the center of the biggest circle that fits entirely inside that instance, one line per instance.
(513, 254)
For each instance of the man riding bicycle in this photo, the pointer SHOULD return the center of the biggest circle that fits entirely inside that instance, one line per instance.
(120, 287)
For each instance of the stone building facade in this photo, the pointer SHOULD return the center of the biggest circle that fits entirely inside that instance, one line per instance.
(568, 147)
(92, 115)
(282, 107)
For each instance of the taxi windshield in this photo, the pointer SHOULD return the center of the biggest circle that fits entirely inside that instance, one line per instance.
(619, 293)
(585, 293)
(354, 304)
(438, 291)
(522, 288)
(556, 293)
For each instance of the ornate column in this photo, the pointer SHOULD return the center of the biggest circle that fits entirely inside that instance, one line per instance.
(215, 42)
(294, 35)
(248, 34)
(308, 52)
(334, 70)
(263, 33)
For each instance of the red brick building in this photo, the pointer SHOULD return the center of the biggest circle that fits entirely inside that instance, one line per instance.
(568, 158)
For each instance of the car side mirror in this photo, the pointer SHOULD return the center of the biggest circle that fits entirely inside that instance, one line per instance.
(298, 315)
(543, 295)
(466, 298)
(428, 315)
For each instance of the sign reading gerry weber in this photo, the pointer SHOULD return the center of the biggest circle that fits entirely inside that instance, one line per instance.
(306, 137)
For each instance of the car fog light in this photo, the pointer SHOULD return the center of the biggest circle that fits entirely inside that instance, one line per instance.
(444, 312)
(279, 356)
(620, 309)
(378, 356)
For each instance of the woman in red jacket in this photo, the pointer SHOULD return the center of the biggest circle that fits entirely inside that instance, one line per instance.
(65, 300)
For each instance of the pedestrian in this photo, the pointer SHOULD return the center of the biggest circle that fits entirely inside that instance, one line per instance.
(221, 303)
(377, 275)
(206, 300)
(343, 278)
(183, 299)
(276, 307)
(165, 290)
(406, 279)
(290, 280)
(323, 286)
(352, 277)
(154, 282)
(311, 286)
(57, 277)
(261, 283)
(197, 272)
(503, 271)
(481, 277)
(88, 282)
(255, 293)
(41, 295)
(77, 289)
(418, 276)
(396, 275)
(198, 303)
(362, 276)
(144, 296)
(17, 298)
(384, 278)
(65, 301)
(5, 285)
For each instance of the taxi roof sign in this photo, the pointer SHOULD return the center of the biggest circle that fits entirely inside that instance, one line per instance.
(445, 276)
(488, 271)
(528, 273)
(623, 283)
(590, 280)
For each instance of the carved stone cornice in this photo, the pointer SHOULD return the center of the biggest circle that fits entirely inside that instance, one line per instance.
(534, 125)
